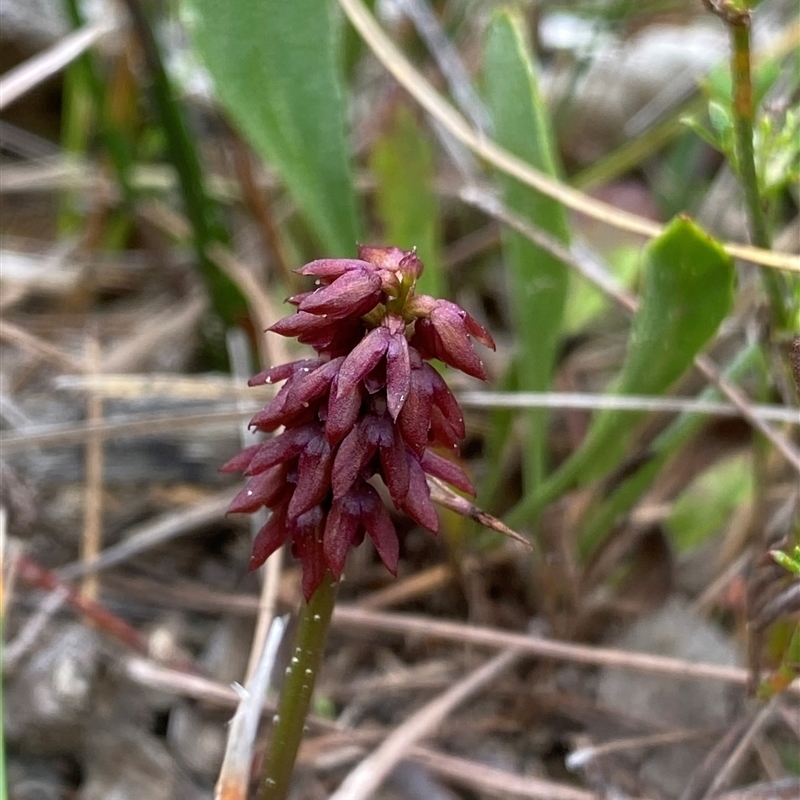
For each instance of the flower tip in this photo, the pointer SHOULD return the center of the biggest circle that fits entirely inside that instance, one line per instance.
(478, 332)
(410, 266)
(255, 563)
(389, 258)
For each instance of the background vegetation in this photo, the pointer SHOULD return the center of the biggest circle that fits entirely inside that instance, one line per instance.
(629, 240)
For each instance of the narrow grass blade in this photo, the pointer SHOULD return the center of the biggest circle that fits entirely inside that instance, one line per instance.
(538, 281)
(602, 515)
(276, 67)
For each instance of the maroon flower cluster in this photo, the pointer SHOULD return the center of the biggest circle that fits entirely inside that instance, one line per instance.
(368, 405)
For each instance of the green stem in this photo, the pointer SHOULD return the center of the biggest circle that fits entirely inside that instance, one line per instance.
(298, 686)
(83, 75)
(743, 115)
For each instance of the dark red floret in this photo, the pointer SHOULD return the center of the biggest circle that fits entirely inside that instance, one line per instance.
(368, 407)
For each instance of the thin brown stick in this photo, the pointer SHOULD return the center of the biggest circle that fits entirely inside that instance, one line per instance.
(734, 760)
(262, 306)
(741, 401)
(36, 575)
(21, 79)
(496, 782)
(359, 619)
(365, 779)
(91, 542)
(39, 347)
(578, 759)
(782, 789)
(459, 770)
(152, 534)
(151, 333)
(123, 425)
(404, 589)
(215, 387)
(33, 628)
(257, 201)
(146, 672)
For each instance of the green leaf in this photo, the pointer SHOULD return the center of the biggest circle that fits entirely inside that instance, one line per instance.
(538, 281)
(687, 292)
(721, 119)
(276, 67)
(706, 505)
(603, 513)
(403, 164)
(787, 561)
(586, 302)
(705, 133)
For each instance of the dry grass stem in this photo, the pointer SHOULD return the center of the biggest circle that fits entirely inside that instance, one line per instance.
(123, 425)
(424, 93)
(91, 542)
(234, 776)
(591, 401)
(40, 348)
(371, 772)
(740, 752)
(352, 617)
(152, 534)
(478, 777)
(481, 777)
(208, 388)
(21, 79)
(579, 758)
(404, 589)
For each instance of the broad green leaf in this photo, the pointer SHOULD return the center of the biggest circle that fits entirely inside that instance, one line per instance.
(277, 71)
(538, 282)
(585, 301)
(403, 164)
(686, 293)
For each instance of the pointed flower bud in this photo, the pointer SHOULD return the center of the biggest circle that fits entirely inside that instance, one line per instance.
(369, 406)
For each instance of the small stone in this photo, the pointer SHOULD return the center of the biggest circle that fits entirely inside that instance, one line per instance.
(48, 700)
(666, 701)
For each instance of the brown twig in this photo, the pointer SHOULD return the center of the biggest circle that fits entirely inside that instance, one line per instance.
(362, 782)
(354, 618)
(21, 79)
(257, 202)
(39, 347)
(154, 533)
(478, 777)
(734, 760)
(35, 575)
(91, 541)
